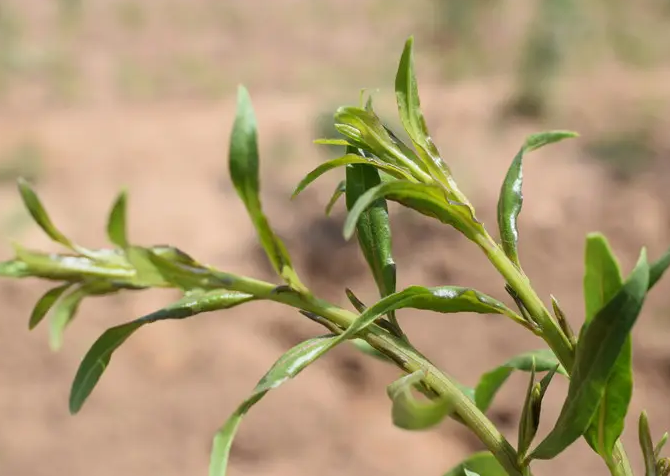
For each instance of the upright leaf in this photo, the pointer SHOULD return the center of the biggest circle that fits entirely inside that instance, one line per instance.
(243, 164)
(45, 303)
(337, 193)
(98, 357)
(647, 445)
(408, 412)
(489, 383)
(373, 230)
(482, 463)
(288, 366)
(598, 348)
(602, 280)
(511, 195)
(658, 269)
(116, 224)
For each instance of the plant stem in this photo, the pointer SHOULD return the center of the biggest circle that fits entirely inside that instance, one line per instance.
(407, 358)
(551, 332)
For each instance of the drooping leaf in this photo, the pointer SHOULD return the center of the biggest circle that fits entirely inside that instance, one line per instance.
(426, 199)
(602, 280)
(349, 159)
(658, 268)
(373, 230)
(408, 412)
(511, 194)
(243, 165)
(482, 463)
(116, 224)
(45, 303)
(66, 309)
(647, 445)
(490, 382)
(598, 348)
(288, 366)
(98, 357)
(339, 191)
(409, 107)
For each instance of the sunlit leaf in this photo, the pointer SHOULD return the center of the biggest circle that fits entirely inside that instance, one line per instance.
(288, 366)
(98, 357)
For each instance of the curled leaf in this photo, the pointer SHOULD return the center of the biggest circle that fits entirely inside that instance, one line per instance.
(98, 357)
(288, 366)
(408, 412)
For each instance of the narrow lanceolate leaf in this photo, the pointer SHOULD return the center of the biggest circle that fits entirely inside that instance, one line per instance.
(40, 215)
(532, 410)
(482, 463)
(288, 366)
(66, 309)
(409, 107)
(373, 230)
(490, 382)
(598, 349)
(339, 191)
(647, 445)
(658, 268)
(602, 280)
(98, 357)
(408, 412)
(349, 159)
(659, 446)
(428, 200)
(243, 165)
(116, 224)
(511, 196)
(353, 299)
(45, 303)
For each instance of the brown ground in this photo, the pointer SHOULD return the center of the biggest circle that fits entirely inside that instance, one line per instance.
(172, 385)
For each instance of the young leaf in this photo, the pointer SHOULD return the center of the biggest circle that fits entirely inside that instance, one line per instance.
(288, 366)
(39, 214)
(98, 357)
(243, 165)
(658, 268)
(45, 303)
(428, 200)
(408, 412)
(647, 445)
(659, 446)
(357, 303)
(339, 191)
(598, 348)
(482, 463)
(511, 196)
(349, 159)
(602, 280)
(409, 107)
(373, 230)
(490, 382)
(116, 224)
(66, 309)
(532, 410)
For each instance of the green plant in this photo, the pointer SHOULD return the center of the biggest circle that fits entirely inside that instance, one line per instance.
(380, 167)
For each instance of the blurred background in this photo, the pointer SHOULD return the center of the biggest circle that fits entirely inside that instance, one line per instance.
(100, 94)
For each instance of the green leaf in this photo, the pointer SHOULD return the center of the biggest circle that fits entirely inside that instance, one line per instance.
(14, 268)
(288, 366)
(511, 195)
(409, 107)
(490, 382)
(98, 357)
(408, 412)
(332, 142)
(532, 409)
(40, 215)
(116, 224)
(243, 165)
(658, 268)
(339, 191)
(482, 463)
(349, 159)
(373, 229)
(659, 446)
(357, 303)
(45, 303)
(647, 445)
(367, 349)
(598, 348)
(66, 309)
(602, 280)
(428, 200)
